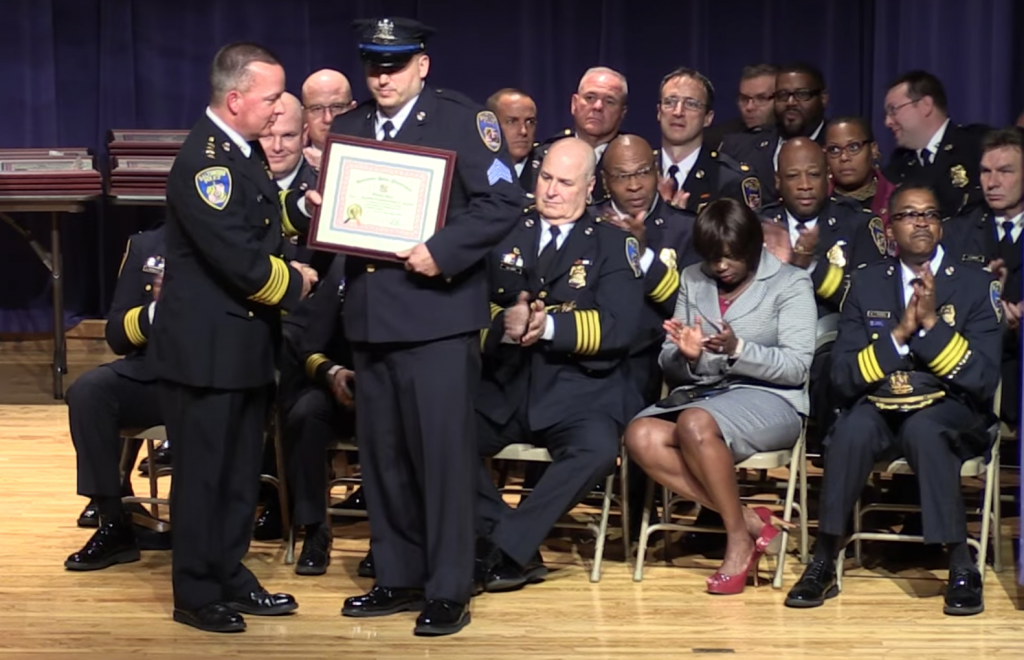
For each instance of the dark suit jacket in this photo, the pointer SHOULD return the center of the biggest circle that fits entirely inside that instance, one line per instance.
(756, 147)
(594, 293)
(973, 238)
(960, 354)
(955, 171)
(715, 133)
(128, 327)
(219, 319)
(386, 303)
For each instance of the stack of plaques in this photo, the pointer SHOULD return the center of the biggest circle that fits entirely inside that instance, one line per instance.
(48, 173)
(140, 161)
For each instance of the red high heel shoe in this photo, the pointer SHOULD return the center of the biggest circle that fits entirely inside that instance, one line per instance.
(770, 540)
(721, 584)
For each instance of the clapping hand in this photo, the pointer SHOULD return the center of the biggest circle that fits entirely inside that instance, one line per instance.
(309, 276)
(313, 157)
(419, 260)
(634, 224)
(803, 251)
(538, 319)
(676, 198)
(776, 240)
(725, 342)
(924, 290)
(517, 317)
(689, 339)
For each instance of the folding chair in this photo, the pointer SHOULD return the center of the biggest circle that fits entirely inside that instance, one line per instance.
(990, 510)
(528, 452)
(795, 458)
(150, 436)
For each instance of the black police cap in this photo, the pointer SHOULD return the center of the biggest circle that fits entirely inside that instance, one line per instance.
(391, 42)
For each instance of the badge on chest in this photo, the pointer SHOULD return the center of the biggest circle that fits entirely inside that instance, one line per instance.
(512, 261)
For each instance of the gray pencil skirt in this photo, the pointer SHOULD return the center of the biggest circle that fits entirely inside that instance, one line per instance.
(751, 420)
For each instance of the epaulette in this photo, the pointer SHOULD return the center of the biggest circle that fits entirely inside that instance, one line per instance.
(729, 161)
(458, 98)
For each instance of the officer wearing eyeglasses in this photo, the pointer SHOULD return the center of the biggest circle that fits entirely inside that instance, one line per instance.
(695, 174)
(853, 165)
(916, 364)
(930, 146)
(801, 97)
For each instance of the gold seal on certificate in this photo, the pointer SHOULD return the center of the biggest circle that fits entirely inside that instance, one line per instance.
(380, 198)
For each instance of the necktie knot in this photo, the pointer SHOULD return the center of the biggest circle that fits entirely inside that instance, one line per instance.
(388, 128)
(1007, 231)
(926, 156)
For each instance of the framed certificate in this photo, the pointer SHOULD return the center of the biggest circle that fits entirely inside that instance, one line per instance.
(380, 198)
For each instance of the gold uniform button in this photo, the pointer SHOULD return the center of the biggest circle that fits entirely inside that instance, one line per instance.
(542, 295)
(149, 287)
(874, 336)
(501, 289)
(370, 268)
(251, 314)
(266, 221)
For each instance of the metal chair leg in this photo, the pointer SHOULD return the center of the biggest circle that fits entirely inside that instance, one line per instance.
(602, 530)
(645, 523)
(624, 502)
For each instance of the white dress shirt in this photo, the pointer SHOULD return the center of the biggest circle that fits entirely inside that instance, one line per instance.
(685, 165)
(397, 120)
(519, 167)
(933, 144)
(907, 276)
(286, 182)
(1018, 222)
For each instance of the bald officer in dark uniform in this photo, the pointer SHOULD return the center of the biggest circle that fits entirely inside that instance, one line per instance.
(414, 326)
(216, 334)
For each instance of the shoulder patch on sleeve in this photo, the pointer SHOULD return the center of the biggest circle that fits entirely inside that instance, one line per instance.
(994, 294)
(751, 192)
(489, 129)
(214, 186)
(633, 255)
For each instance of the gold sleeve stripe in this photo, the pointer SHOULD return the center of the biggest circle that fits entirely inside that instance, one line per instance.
(276, 286)
(313, 363)
(833, 279)
(483, 337)
(588, 331)
(870, 371)
(668, 285)
(495, 310)
(132, 329)
(286, 224)
(950, 356)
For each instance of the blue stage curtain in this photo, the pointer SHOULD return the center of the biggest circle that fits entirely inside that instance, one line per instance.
(72, 69)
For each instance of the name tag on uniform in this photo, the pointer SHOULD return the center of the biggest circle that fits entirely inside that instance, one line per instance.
(876, 314)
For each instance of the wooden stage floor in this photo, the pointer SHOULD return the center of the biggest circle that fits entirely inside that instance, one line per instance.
(125, 611)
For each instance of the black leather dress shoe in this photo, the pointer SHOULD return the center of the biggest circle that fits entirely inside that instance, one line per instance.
(354, 502)
(263, 603)
(442, 617)
(382, 601)
(268, 524)
(817, 584)
(963, 593)
(367, 569)
(316, 552)
(90, 516)
(113, 543)
(215, 617)
(498, 572)
(161, 458)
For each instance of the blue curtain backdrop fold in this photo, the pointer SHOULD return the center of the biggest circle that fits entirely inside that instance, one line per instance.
(73, 69)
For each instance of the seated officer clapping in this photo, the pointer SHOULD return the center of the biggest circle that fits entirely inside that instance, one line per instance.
(566, 292)
(917, 362)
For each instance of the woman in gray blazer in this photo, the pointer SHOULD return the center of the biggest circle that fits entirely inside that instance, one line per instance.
(737, 356)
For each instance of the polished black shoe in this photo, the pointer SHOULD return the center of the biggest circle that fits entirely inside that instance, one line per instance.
(316, 552)
(215, 617)
(268, 524)
(382, 601)
(354, 502)
(442, 617)
(161, 458)
(963, 593)
(497, 572)
(113, 543)
(90, 516)
(815, 586)
(367, 569)
(261, 602)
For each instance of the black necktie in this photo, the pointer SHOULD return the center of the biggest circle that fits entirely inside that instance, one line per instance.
(926, 157)
(1007, 233)
(672, 172)
(388, 127)
(547, 255)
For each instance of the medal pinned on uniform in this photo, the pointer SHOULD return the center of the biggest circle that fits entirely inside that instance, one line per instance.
(154, 265)
(835, 255)
(529, 222)
(948, 314)
(512, 261)
(699, 174)
(420, 116)
(588, 231)
(578, 276)
(831, 222)
(950, 270)
(958, 175)
(658, 222)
